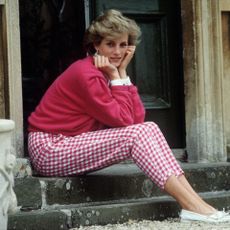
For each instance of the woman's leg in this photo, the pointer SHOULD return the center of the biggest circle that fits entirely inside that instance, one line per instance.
(186, 196)
(182, 180)
(152, 154)
(57, 155)
(175, 183)
(189, 188)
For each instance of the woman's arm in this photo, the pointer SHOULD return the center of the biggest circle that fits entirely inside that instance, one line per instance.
(111, 105)
(139, 110)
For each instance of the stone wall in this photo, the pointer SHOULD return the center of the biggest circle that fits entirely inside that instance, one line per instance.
(2, 96)
(226, 72)
(10, 70)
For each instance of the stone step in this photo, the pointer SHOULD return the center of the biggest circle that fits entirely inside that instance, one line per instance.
(64, 217)
(113, 195)
(122, 182)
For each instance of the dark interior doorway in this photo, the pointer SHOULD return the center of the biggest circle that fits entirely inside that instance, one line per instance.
(51, 39)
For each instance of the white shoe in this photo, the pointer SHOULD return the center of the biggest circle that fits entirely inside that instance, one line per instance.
(217, 217)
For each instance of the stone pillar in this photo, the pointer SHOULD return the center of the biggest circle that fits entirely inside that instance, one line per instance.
(203, 81)
(225, 25)
(8, 201)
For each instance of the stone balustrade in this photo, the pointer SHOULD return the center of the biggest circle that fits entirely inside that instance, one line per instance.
(8, 201)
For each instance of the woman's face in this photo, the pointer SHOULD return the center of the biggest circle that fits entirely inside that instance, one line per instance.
(113, 48)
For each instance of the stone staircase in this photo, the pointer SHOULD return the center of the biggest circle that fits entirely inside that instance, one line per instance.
(116, 194)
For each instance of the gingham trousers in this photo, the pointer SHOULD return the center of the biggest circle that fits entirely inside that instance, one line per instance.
(59, 155)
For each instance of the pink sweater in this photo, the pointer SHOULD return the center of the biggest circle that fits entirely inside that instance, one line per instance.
(81, 100)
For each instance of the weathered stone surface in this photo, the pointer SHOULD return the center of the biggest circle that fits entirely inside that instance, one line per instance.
(208, 177)
(63, 217)
(115, 195)
(120, 213)
(146, 209)
(39, 220)
(22, 168)
(28, 192)
(204, 87)
(225, 18)
(8, 201)
(115, 183)
(91, 187)
(122, 182)
(228, 152)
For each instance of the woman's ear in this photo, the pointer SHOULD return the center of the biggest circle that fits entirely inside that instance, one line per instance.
(96, 53)
(96, 49)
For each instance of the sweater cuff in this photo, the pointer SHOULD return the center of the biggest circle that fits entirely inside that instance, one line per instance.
(122, 81)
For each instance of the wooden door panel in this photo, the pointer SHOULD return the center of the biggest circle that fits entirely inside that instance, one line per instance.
(125, 6)
(149, 69)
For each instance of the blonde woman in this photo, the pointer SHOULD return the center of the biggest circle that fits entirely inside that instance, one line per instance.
(92, 117)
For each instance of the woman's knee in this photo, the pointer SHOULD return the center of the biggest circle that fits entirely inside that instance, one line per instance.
(141, 129)
(150, 124)
(150, 127)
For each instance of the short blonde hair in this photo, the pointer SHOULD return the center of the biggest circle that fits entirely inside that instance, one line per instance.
(111, 24)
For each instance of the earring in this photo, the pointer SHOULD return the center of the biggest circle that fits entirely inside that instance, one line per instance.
(96, 53)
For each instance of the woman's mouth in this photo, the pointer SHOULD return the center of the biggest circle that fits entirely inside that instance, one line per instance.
(115, 59)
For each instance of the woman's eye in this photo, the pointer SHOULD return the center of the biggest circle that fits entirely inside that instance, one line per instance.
(123, 45)
(110, 44)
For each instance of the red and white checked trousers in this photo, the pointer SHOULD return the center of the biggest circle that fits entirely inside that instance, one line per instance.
(58, 155)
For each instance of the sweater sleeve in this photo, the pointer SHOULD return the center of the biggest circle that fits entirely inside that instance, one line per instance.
(112, 106)
(138, 107)
(139, 110)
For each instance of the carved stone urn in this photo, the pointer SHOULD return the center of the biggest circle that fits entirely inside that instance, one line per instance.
(8, 201)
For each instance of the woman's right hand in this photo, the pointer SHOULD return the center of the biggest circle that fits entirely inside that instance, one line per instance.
(103, 64)
(128, 57)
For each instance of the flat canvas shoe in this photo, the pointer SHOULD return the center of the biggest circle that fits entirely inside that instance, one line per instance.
(216, 217)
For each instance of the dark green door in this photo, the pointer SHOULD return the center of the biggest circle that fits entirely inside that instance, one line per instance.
(157, 66)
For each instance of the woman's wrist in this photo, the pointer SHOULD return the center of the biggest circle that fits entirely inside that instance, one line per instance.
(122, 73)
(122, 81)
(115, 75)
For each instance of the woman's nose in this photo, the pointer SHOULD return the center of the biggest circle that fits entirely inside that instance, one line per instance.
(117, 49)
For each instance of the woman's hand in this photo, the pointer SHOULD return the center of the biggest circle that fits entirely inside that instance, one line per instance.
(102, 63)
(128, 57)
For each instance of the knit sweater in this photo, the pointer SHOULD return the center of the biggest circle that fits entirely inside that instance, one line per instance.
(82, 100)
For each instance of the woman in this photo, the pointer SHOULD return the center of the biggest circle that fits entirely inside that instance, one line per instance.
(92, 117)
